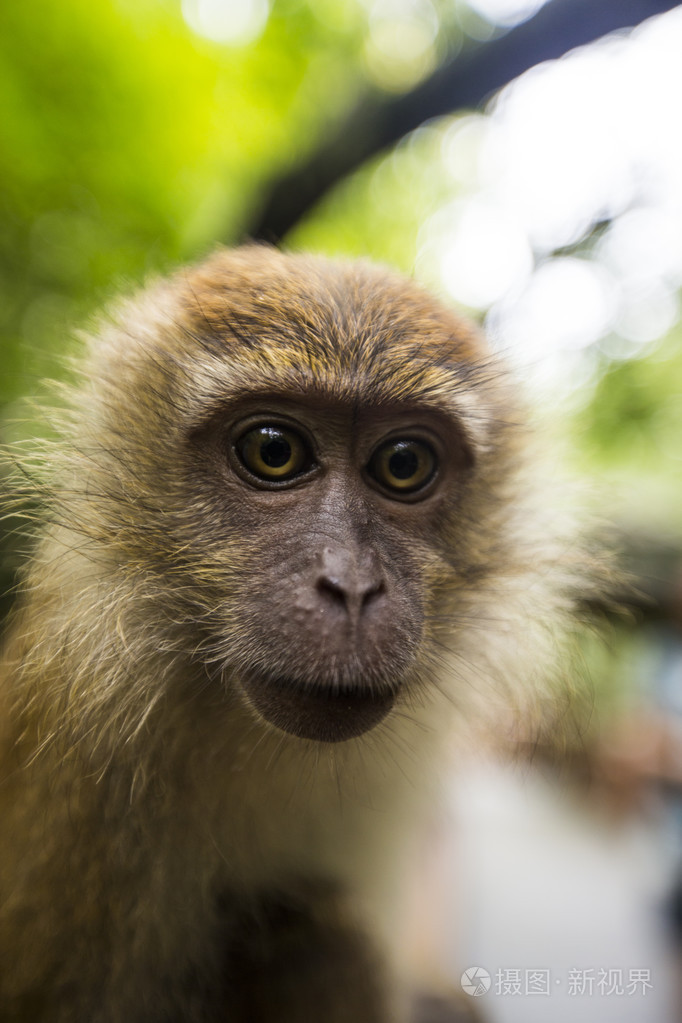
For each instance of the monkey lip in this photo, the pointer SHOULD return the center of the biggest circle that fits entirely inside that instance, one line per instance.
(322, 713)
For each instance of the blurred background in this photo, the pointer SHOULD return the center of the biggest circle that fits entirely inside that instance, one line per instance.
(522, 159)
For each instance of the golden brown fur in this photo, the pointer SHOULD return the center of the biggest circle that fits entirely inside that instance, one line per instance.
(165, 852)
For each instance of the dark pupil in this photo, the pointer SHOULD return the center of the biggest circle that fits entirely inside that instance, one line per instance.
(275, 451)
(403, 464)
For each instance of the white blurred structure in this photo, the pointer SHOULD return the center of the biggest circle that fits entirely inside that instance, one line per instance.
(591, 140)
(554, 895)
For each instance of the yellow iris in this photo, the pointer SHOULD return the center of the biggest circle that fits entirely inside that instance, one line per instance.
(273, 453)
(403, 465)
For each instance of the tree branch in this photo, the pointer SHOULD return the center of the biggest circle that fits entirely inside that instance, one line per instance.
(465, 81)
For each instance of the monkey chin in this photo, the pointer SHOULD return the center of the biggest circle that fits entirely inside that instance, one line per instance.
(323, 713)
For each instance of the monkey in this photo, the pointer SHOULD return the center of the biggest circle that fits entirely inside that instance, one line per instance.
(287, 544)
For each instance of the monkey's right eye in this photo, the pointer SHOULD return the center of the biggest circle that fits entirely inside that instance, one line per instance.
(274, 454)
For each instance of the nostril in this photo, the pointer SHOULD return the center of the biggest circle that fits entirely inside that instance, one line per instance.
(372, 593)
(352, 599)
(333, 589)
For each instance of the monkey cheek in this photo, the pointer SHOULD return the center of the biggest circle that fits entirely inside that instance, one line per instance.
(321, 713)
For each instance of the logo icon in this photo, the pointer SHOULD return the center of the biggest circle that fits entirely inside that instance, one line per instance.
(476, 981)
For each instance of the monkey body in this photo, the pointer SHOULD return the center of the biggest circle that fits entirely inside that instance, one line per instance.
(285, 547)
(141, 912)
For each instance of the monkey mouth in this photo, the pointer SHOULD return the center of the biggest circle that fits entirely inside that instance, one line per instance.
(324, 713)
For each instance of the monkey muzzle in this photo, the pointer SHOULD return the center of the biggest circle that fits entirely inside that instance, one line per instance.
(330, 641)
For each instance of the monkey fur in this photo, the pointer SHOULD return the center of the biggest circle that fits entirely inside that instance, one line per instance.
(287, 542)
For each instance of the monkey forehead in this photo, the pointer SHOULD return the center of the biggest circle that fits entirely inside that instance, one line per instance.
(255, 319)
(320, 308)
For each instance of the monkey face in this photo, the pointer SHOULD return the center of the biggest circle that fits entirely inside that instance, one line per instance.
(336, 472)
(332, 504)
(325, 432)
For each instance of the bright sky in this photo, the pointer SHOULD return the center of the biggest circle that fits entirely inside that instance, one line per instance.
(591, 138)
(506, 12)
(235, 22)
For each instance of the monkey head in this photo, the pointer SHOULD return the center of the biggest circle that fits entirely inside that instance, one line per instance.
(319, 456)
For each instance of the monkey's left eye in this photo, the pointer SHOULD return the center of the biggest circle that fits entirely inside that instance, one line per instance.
(274, 453)
(403, 466)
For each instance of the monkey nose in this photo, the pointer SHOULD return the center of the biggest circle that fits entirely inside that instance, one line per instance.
(348, 586)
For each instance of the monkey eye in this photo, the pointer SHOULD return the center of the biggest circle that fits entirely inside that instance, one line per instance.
(274, 453)
(403, 466)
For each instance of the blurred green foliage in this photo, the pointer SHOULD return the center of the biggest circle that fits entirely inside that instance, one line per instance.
(630, 433)
(635, 417)
(379, 211)
(127, 144)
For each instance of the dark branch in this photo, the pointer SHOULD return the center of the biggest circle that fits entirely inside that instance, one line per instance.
(463, 82)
